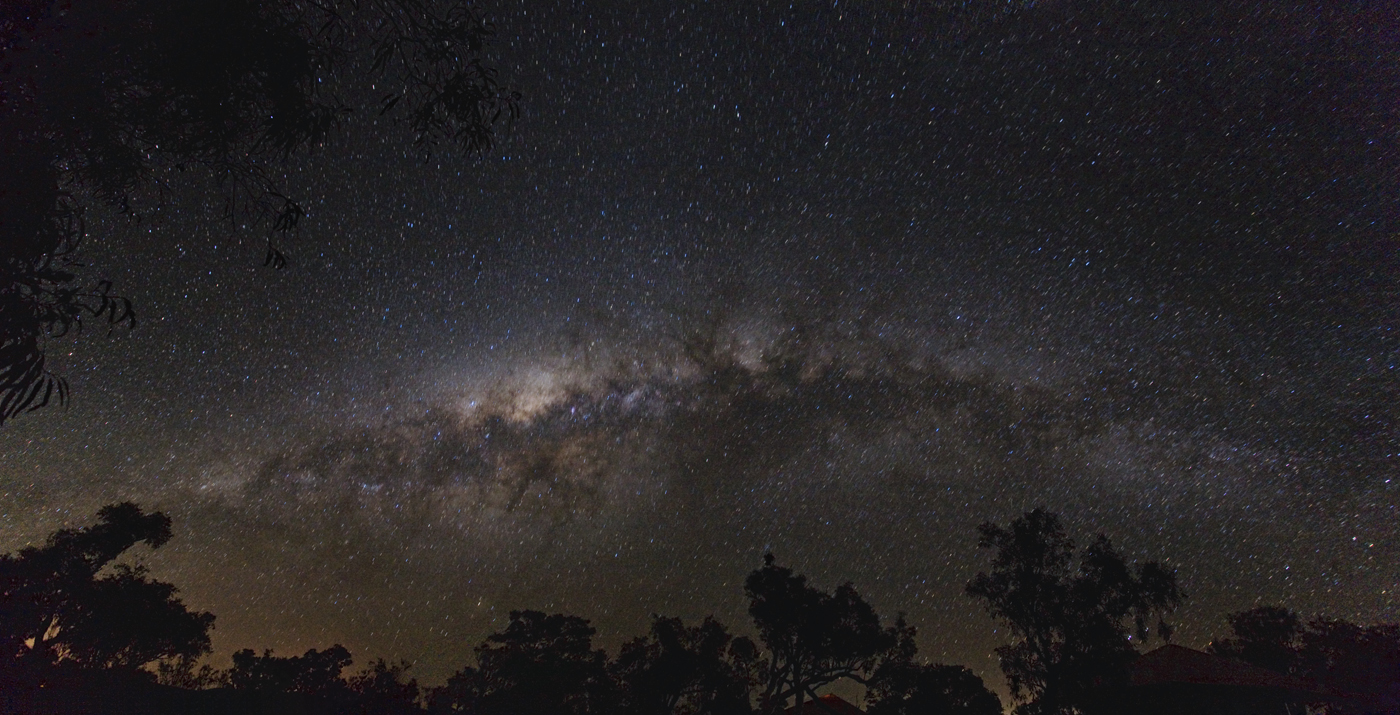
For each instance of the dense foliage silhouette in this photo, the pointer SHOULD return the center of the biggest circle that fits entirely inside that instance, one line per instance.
(102, 101)
(60, 602)
(315, 672)
(539, 664)
(916, 689)
(1266, 636)
(84, 633)
(75, 626)
(386, 689)
(1073, 629)
(690, 670)
(1360, 665)
(812, 638)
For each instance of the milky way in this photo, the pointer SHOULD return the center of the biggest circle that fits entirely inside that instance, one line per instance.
(841, 293)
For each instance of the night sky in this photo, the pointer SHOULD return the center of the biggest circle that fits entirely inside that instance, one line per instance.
(839, 282)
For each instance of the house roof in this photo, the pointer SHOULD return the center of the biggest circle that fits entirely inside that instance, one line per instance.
(1176, 664)
(826, 705)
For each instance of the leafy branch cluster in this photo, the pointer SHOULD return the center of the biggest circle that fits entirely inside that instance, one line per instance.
(1069, 625)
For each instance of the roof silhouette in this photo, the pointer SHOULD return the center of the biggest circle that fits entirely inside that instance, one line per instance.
(1177, 664)
(826, 705)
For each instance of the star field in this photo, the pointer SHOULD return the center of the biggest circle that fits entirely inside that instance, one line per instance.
(838, 282)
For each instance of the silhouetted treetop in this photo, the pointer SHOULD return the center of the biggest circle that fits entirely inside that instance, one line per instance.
(1073, 629)
(690, 670)
(55, 607)
(540, 664)
(127, 620)
(386, 689)
(83, 551)
(916, 689)
(812, 638)
(315, 672)
(1267, 636)
(1359, 665)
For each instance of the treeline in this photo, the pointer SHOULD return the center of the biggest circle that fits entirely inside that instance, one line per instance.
(1359, 663)
(82, 635)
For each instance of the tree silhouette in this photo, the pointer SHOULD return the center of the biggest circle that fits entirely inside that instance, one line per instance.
(696, 670)
(1359, 665)
(812, 638)
(1360, 662)
(385, 689)
(315, 672)
(187, 673)
(1267, 636)
(539, 665)
(1073, 629)
(319, 679)
(54, 606)
(102, 101)
(916, 689)
(127, 620)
